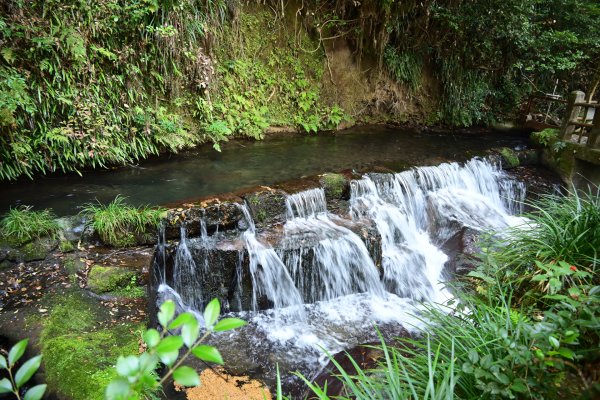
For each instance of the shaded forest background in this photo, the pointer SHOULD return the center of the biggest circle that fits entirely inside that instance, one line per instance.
(94, 84)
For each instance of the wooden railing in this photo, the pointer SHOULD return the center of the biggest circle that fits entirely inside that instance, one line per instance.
(582, 121)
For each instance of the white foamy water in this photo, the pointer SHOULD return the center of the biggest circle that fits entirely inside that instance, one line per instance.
(324, 289)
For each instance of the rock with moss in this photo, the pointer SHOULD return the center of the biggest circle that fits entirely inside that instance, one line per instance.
(336, 186)
(508, 157)
(267, 206)
(35, 250)
(102, 279)
(79, 348)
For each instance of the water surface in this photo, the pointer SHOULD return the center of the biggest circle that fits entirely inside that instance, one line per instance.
(203, 171)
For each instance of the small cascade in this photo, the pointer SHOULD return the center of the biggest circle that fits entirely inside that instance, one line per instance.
(305, 204)
(270, 277)
(325, 260)
(417, 210)
(184, 274)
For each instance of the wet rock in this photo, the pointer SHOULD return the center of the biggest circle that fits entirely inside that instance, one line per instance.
(72, 227)
(508, 157)
(35, 250)
(462, 249)
(103, 279)
(336, 186)
(217, 216)
(267, 206)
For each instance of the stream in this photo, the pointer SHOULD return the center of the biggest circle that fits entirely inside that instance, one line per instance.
(241, 164)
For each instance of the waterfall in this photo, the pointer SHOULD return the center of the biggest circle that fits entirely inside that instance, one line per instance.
(270, 277)
(186, 283)
(326, 260)
(314, 284)
(417, 210)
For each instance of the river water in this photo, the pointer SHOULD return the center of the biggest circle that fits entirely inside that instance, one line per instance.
(204, 171)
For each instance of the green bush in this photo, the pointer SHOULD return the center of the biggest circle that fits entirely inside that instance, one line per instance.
(21, 225)
(119, 224)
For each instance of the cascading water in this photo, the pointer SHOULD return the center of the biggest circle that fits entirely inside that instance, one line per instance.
(335, 262)
(184, 274)
(323, 286)
(269, 275)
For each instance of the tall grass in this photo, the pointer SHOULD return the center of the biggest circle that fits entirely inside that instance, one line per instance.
(120, 224)
(21, 225)
(562, 228)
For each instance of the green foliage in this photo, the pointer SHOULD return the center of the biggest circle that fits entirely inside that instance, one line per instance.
(21, 225)
(15, 381)
(562, 228)
(120, 224)
(137, 374)
(77, 75)
(491, 343)
(546, 136)
(405, 67)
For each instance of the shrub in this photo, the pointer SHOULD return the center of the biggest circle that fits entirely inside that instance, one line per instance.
(119, 224)
(21, 225)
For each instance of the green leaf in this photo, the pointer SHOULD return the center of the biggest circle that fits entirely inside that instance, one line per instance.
(27, 370)
(5, 386)
(182, 319)
(128, 366)
(169, 358)
(35, 393)
(189, 332)
(166, 313)
(186, 376)
(227, 324)
(208, 353)
(117, 389)
(17, 352)
(211, 313)
(473, 356)
(169, 344)
(566, 353)
(3, 363)
(151, 337)
(518, 386)
(554, 342)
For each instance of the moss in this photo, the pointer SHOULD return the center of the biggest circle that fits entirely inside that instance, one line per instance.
(509, 157)
(66, 246)
(334, 185)
(38, 249)
(108, 279)
(79, 356)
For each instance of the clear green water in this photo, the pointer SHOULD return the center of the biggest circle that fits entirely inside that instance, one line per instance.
(203, 171)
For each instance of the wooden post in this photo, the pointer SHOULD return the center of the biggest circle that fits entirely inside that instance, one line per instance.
(594, 136)
(571, 114)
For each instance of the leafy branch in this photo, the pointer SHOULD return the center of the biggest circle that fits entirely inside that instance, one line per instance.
(15, 381)
(137, 374)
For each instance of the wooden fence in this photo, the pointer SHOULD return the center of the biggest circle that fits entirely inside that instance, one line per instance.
(578, 125)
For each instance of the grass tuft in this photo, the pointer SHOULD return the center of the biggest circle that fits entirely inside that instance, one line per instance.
(21, 225)
(120, 224)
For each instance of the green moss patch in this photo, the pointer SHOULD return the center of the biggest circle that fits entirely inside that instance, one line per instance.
(334, 185)
(108, 279)
(78, 353)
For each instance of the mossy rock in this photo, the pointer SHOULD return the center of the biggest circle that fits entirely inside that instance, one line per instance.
(79, 350)
(35, 250)
(66, 246)
(336, 186)
(103, 279)
(510, 158)
(267, 206)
